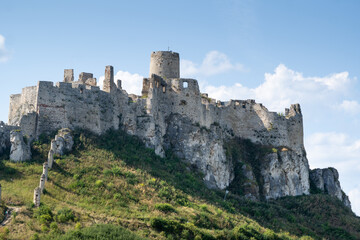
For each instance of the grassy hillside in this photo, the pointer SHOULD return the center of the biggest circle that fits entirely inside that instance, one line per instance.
(112, 184)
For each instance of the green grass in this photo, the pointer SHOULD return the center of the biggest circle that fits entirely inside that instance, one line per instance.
(117, 182)
(99, 232)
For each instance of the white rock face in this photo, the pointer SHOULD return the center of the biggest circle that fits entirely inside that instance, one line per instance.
(20, 151)
(285, 174)
(327, 180)
(201, 147)
(63, 142)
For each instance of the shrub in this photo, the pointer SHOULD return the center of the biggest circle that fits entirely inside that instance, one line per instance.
(44, 228)
(65, 215)
(35, 237)
(44, 214)
(131, 178)
(99, 183)
(165, 192)
(270, 235)
(203, 220)
(77, 185)
(77, 226)
(53, 226)
(168, 226)
(165, 207)
(246, 231)
(116, 171)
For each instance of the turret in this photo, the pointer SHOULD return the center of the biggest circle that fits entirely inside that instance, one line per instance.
(165, 64)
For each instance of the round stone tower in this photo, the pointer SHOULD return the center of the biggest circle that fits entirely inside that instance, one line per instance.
(165, 64)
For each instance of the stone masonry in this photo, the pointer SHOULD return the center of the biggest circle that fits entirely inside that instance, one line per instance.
(45, 170)
(69, 75)
(37, 195)
(109, 85)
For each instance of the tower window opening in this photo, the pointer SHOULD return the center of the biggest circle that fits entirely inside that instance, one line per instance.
(185, 84)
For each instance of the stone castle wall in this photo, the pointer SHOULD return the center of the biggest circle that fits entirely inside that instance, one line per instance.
(246, 118)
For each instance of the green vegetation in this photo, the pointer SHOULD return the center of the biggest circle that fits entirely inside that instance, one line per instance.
(99, 232)
(2, 211)
(114, 181)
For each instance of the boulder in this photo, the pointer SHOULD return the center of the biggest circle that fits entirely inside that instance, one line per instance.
(20, 151)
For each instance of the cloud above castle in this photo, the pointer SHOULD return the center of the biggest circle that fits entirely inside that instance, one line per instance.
(214, 63)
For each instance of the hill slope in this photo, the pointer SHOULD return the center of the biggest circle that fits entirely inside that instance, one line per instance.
(114, 180)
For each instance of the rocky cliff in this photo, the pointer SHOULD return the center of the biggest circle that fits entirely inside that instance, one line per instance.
(327, 180)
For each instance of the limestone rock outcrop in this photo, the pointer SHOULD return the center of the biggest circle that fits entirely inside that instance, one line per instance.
(202, 147)
(20, 151)
(63, 142)
(327, 181)
(285, 173)
(5, 130)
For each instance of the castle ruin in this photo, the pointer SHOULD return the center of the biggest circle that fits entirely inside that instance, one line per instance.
(170, 114)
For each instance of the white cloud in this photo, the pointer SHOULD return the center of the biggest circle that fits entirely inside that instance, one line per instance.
(354, 196)
(336, 149)
(214, 63)
(335, 81)
(4, 55)
(286, 86)
(132, 83)
(352, 107)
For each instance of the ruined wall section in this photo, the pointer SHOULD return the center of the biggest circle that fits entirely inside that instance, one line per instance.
(251, 120)
(175, 95)
(22, 104)
(68, 106)
(46, 108)
(245, 118)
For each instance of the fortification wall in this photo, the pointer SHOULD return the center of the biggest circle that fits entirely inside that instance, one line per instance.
(78, 106)
(244, 118)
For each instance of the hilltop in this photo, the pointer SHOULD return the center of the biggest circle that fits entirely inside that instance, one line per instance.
(170, 163)
(115, 180)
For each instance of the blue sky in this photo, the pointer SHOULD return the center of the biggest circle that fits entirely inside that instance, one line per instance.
(278, 52)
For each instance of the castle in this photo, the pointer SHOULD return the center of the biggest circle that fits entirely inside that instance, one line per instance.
(171, 113)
